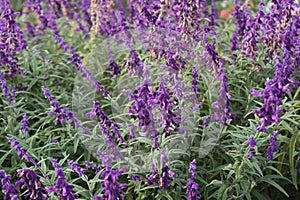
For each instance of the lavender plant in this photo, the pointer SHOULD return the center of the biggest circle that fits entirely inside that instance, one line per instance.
(191, 106)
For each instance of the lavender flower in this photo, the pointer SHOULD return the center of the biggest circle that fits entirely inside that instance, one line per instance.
(192, 188)
(110, 184)
(251, 142)
(107, 123)
(75, 167)
(135, 177)
(222, 105)
(24, 126)
(62, 112)
(113, 66)
(213, 15)
(63, 188)
(272, 147)
(12, 39)
(195, 88)
(241, 15)
(167, 174)
(9, 190)
(4, 86)
(93, 166)
(21, 150)
(151, 178)
(30, 181)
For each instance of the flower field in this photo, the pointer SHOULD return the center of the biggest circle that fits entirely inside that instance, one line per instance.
(142, 100)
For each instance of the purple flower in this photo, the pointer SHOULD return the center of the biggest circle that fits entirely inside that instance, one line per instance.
(62, 112)
(12, 39)
(63, 188)
(21, 150)
(192, 188)
(30, 181)
(75, 167)
(9, 190)
(152, 178)
(24, 126)
(251, 142)
(113, 66)
(93, 166)
(272, 147)
(241, 15)
(135, 177)
(4, 86)
(106, 122)
(213, 15)
(110, 184)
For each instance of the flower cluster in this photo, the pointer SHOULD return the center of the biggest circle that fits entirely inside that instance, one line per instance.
(29, 180)
(75, 167)
(62, 112)
(9, 190)
(192, 188)
(63, 188)
(110, 184)
(272, 147)
(12, 39)
(21, 150)
(251, 142)
(24, 126)
(164, 178)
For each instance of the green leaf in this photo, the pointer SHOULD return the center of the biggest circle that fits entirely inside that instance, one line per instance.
(269, 180)
(291, 159)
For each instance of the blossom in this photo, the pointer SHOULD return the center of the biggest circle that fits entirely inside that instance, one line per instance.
(4, 86)
(9, 190)
(251, 142)
(192, 188)
(21, 150)
(12, 39)
(24, 125)
(272, 147)
(93, 166)
(30, 181)
(110, 184)
(62, 112)
(75, 167)
(63, 188)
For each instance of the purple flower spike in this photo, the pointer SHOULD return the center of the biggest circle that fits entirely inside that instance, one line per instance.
(12, 39)
(272, 147)
(192, 188)
(9, 190)
(75, 167)
(110, 184)
(251, 142)
(21, 150)
(31, 181)
(63, 188)
(24, 126)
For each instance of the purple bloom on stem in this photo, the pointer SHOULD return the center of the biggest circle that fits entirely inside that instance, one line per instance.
(63, 188)
(93, 166)
(4, 86)
(110, 184)
(251, 142)
(9, 190)
(12, 39)
(24, 126)
(192, 188)
(135, 177)
(21, 150)
(272, 147)
(75, 167)
(31, 181)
